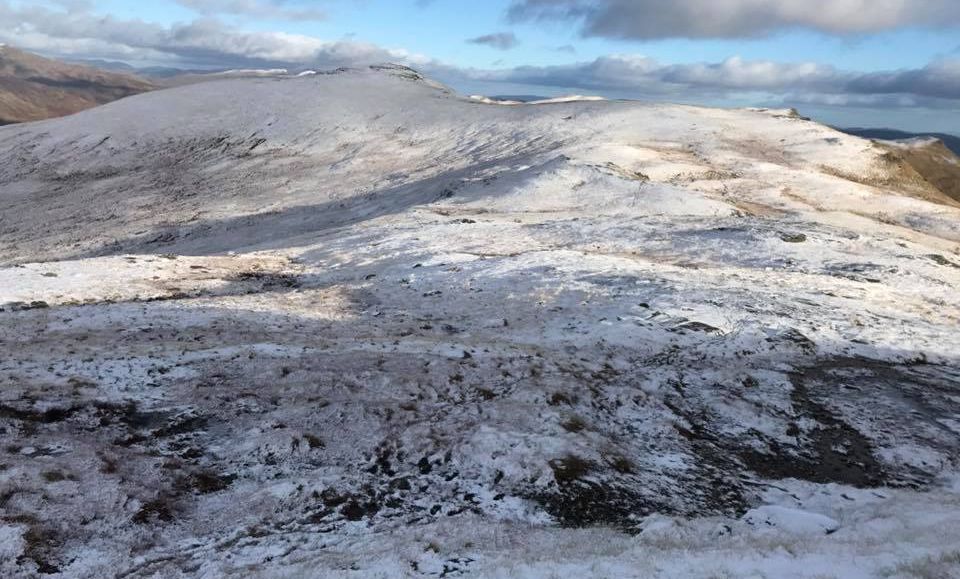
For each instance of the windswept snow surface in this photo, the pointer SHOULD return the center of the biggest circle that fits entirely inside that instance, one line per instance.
(355, 325)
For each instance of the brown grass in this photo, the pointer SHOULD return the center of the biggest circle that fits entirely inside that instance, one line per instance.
(923, 172)
(34, 88)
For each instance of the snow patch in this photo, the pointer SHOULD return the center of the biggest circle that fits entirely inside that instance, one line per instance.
(254, 72)
(568, 99)
(491, 101)
(790, 520)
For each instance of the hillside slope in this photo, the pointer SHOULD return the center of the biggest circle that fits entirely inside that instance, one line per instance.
(33, 88)
(951, 142)
(931, 161)
(353, 324)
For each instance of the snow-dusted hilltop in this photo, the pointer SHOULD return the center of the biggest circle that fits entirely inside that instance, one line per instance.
(355, 325)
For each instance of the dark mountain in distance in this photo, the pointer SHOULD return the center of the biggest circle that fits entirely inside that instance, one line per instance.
(107, 65)
(165, 72)
(952, 142)
(148, 72)
(34, 88)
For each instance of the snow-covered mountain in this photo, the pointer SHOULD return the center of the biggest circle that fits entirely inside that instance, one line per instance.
(354, 324)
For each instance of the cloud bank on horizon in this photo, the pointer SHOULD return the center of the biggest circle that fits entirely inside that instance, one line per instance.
(228, 34)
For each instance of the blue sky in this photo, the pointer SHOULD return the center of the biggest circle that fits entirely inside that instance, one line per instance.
(895, 63)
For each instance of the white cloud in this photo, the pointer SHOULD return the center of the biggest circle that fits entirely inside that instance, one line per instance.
(203, 42)
(273, 9)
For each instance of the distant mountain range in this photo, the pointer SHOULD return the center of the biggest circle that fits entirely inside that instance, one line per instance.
(150, 72)
(952, 142)
(34, 88)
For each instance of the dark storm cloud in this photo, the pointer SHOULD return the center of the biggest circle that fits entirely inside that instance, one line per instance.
(624, 74)
(500, 40)
(654, 19)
